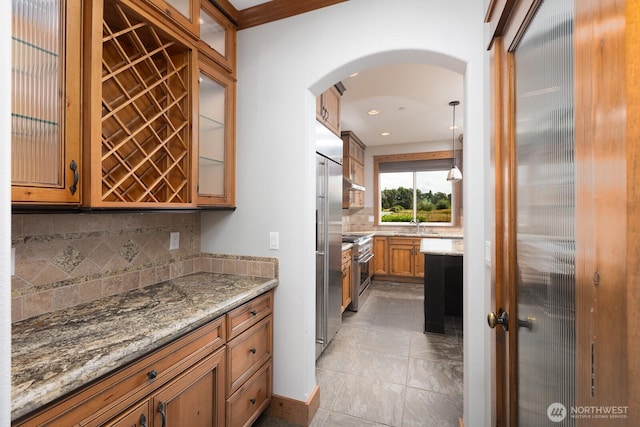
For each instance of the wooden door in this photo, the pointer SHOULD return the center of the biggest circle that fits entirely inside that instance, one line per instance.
(196, 398)
(381, 258)
(136, 417)
(565, 170)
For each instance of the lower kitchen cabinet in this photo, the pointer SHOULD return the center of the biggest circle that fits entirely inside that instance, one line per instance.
(398, 258)
(405, 259)
(346, 280)
(381, 256)
(196, 398)
(202, 379)
(249, 363)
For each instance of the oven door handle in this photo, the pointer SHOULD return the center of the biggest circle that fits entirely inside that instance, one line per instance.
(366, 258)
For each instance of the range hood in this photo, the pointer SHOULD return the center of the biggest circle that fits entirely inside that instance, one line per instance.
(349, 185)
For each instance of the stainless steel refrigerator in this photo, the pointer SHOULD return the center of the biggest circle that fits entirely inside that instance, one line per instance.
(328, 236)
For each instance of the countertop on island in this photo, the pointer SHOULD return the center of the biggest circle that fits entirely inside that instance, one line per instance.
(454, 247)
(56, 353)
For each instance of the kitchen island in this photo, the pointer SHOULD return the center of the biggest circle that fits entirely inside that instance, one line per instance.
(59, 352)
(442, 281)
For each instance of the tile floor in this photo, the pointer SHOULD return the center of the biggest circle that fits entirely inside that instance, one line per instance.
(382, 370)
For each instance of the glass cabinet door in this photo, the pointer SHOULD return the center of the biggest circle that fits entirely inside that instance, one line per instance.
(217, 36)
(183, 12)
(215, 139)
(45, 112)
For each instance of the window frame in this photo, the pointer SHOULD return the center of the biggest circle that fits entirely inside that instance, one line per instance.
(456, 187)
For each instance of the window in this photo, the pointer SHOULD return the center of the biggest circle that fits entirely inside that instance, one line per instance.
(414, 187)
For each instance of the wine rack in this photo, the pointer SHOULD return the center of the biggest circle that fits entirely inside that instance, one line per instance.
(146, 112)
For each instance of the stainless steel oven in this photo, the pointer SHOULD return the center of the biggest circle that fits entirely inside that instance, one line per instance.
(361, 267)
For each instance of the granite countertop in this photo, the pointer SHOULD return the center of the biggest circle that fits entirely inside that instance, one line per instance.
(441, 246)
(421, 235)
(56, 353)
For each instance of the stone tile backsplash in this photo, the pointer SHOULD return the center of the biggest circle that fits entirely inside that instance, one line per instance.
(66, 259)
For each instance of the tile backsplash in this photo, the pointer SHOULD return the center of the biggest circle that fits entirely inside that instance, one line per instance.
(66, 259)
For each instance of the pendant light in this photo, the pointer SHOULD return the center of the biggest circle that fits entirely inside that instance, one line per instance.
(454, 174)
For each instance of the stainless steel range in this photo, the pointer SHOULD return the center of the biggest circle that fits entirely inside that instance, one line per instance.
(361, 267)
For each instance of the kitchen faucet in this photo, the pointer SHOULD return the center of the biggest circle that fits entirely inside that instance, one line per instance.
(417, 223)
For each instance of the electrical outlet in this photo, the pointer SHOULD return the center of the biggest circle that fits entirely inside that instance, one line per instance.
(174, 240)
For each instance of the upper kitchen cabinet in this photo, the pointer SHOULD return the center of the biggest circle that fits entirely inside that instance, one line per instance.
(328, 107)
(141, 76)
(46, 102)
(216, 137)
(185, 13)
(353, 171)
(217, 36)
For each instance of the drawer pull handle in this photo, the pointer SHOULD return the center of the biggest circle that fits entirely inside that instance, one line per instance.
(253, 401)
(143, 420)
(253, 351)
(253, 312)
(162, 414)
(152, 374)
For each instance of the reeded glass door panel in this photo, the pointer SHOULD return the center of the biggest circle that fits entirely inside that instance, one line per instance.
(36, 110)
(212, 131)
(545, 222)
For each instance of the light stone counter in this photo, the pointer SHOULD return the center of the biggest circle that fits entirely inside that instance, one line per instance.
(453, 247)
(56, 353)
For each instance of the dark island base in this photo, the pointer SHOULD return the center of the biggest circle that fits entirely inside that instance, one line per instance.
(442, 290)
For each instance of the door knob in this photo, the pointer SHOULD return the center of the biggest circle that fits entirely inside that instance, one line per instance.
(501, 319)
(528, 323)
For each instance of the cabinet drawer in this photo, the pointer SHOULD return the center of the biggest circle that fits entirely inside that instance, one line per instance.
(247, 352)
(107, 398)
(346, 257)
(404, 241)
(246, 404)
(248, 314)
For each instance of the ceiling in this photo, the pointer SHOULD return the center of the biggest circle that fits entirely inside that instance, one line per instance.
(412, 100)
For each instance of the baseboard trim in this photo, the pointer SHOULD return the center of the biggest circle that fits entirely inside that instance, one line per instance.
(295, 411)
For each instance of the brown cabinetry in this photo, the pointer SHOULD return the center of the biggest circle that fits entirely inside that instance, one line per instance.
(138, 82)
(46, 100)
(381, 258)
(353, 170)
(328, 109)
(346, 280)
(398, 257)
(249, 373)
(405, 259)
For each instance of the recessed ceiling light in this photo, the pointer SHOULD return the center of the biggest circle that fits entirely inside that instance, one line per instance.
(385, 133)
(453, 127)
(353, 75)
(373, 112)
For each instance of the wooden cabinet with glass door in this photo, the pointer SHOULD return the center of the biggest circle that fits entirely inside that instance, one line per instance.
(217, 37)
(216, 137)
(46, 98)
(184, 13)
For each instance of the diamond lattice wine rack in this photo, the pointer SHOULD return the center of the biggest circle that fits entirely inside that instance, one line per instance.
(146, 152)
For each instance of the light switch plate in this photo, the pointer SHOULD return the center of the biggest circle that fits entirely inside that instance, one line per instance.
(174, 240)
(487, 253)
(274, 240)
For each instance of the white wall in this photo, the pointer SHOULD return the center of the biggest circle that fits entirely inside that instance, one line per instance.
(5, 216)
(282, 66)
